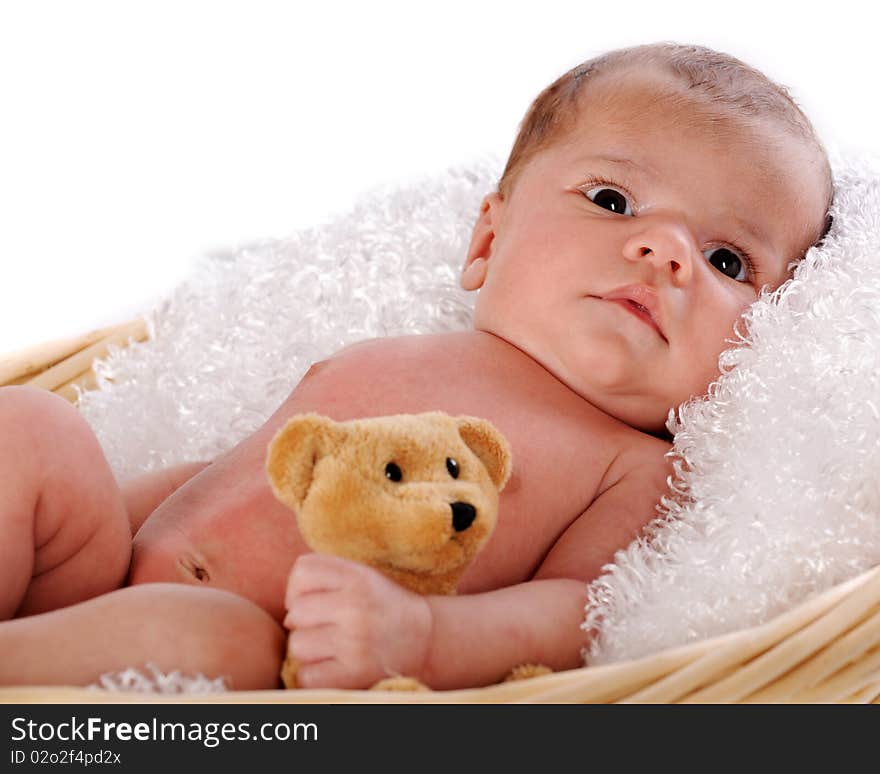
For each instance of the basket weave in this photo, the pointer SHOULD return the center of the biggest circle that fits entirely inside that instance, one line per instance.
(826, 649)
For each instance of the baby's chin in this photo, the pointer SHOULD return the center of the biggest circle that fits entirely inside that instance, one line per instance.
(626, 402)
(615, 384)
(637, 412)
(622, 394)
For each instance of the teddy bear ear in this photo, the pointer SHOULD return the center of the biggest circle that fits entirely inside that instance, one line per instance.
(293, 452)
(489, 445)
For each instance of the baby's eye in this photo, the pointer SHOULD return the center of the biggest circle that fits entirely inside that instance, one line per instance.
(609, 199)
(728, 263)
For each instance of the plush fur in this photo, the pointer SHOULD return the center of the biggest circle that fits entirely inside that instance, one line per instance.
(333, 474)
(379, 491)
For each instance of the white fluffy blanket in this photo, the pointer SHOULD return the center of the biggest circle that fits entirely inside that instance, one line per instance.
(778, 496)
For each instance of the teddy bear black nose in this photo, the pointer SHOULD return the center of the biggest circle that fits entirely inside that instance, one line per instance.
(463, 515)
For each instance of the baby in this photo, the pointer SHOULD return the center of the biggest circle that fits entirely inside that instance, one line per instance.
(649, 197)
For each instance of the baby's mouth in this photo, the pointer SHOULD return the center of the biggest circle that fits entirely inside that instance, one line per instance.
(640, 311)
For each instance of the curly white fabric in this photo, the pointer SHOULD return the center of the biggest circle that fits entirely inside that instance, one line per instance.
(232, 342)
(778, 495)
(151, 679)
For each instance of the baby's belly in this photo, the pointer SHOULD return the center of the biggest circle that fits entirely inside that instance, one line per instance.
(222, 531)
(166, 556)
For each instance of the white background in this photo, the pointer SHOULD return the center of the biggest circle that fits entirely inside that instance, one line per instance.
(135, 136)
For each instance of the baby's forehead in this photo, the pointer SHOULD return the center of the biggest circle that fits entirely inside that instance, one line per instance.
(636, 102)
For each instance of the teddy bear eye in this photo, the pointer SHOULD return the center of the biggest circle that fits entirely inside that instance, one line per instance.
(452, 467)
(393, 472)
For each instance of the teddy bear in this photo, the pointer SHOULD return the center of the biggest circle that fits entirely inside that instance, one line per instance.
(412, 495)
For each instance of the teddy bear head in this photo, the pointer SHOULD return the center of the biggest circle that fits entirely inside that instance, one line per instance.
(414, 495)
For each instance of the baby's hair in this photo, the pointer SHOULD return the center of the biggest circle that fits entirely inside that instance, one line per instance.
(720, 80)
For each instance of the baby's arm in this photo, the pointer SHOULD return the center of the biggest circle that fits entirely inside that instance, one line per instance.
(351, 626)
(480, 637)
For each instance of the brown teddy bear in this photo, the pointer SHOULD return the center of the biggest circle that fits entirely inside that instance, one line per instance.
(413, 495)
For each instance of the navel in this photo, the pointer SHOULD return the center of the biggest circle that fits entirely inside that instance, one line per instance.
(193, 568)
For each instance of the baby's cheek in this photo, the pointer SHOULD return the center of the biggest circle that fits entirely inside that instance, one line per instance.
(708, 340)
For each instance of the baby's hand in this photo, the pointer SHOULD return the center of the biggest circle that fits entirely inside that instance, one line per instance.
(351, 626)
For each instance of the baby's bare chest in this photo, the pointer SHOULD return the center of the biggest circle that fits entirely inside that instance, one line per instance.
(558, 470)
(231, 516)
(561, 449)
(561, 446)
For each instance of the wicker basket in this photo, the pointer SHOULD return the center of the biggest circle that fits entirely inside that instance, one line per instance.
(826, 649)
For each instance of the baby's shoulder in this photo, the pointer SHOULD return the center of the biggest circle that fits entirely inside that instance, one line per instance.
(394, 375)
(444, 362)
(424, 345)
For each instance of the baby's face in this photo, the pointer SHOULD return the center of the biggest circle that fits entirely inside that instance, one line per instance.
(627, 251)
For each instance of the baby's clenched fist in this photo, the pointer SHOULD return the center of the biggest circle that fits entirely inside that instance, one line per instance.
(351, 626)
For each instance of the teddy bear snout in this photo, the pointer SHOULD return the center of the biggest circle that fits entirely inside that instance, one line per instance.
(463, 515)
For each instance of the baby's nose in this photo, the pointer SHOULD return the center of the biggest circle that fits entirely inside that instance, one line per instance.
(463, 515)
(664, 243)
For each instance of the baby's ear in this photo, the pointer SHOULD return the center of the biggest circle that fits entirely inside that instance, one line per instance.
(293, 453)
(489, 445)
(473, 274)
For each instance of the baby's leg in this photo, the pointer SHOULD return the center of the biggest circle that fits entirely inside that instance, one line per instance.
(64, 533)
(195, 630)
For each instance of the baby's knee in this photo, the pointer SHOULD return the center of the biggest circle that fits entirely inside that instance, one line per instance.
(31, 417)
(19, 402)
(50, 433)
(67, 500)
(49, 450)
